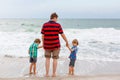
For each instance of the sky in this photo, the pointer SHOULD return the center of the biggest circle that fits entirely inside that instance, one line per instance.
(64, 8)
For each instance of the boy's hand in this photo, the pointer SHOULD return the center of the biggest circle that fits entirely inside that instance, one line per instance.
(40, 46)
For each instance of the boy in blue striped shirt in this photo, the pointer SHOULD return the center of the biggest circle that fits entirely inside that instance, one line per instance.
(72, 56)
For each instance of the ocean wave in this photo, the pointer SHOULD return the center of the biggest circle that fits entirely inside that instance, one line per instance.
(96, 43)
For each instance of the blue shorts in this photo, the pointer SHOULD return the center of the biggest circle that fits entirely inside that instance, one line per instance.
(33, 60)
(72, 62)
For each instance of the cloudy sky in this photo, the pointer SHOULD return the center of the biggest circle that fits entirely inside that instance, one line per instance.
(64, 8)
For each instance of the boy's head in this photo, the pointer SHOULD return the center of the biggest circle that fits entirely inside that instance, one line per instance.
(37, 41)
(75, 42)
(54, 16)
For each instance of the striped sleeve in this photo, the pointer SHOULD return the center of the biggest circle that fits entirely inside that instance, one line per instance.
(60, 29)
(42, 30)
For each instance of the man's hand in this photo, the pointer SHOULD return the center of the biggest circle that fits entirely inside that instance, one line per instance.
(67, 45)
(69, 48)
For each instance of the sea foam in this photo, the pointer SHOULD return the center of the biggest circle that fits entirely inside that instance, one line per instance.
(96, 43)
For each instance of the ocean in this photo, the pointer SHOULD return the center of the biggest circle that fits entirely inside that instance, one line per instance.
(99, 39)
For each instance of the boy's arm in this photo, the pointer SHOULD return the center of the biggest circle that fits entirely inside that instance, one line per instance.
(74, 49)
(40, 47)
(69, 48)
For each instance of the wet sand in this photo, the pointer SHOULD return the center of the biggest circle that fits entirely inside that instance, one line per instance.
(100, 77)
(12, 68)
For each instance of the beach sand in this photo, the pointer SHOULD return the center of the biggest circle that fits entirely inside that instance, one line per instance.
(12, 68)
(102, 77)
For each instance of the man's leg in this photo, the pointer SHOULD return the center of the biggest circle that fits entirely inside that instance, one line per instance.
(47, 66)
(55, 57)
(54, 67)
(47, 63)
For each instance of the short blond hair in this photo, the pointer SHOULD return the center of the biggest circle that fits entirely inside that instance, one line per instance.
(75, 41)
(37, 41)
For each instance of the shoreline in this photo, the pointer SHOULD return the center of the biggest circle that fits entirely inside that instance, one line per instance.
(97, 77)
(13, 68)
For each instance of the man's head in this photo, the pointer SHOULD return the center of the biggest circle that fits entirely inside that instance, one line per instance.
(54, 17)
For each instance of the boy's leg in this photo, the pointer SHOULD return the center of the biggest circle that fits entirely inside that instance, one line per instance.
(72, 71)
(34, 68)
(31, 65)
(70, 67)
(47, 66)
(73, 64)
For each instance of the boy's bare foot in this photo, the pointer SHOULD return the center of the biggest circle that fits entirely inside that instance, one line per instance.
(54, 75)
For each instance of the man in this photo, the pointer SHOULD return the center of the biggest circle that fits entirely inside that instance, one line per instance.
(50, 37)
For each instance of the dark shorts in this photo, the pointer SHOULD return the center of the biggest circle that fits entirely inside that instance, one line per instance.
(52, 53)
(72, 63)
(33, 60)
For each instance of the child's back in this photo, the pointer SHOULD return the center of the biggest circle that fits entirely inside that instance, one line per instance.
(33, 50)
(33, 55)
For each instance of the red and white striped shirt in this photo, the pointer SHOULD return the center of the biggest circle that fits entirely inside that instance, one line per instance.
(51, 31)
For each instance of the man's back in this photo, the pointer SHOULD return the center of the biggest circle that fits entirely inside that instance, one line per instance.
(51, 31)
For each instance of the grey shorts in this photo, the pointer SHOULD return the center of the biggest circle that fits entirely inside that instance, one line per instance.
(33, 60)
(52, 53)
(72, 62)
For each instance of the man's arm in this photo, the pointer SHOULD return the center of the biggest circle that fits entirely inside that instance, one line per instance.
(42, 39)
(65, 39)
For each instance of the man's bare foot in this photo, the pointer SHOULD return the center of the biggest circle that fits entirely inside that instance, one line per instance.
(69, 73)
(30, 73)
(47, 75)
(72, 74)
(54, 75)
(34, 73)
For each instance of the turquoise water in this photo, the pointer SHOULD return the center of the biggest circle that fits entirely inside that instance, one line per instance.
(91, 23)
(34, 25)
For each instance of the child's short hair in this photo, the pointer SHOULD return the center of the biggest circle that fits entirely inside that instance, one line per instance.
(37, 41)
(75, 41)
